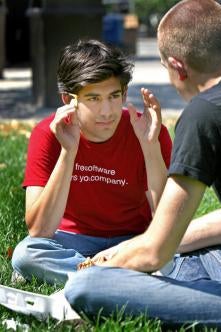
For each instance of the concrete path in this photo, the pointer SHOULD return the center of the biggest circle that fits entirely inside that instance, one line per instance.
(16, 87)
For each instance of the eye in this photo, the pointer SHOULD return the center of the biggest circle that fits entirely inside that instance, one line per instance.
(93, 98)
(115, 96)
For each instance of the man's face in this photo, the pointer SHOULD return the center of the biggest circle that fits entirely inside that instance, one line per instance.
(100, 109)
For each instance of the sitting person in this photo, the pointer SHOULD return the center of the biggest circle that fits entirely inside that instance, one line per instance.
(189, 42)
(95, 171)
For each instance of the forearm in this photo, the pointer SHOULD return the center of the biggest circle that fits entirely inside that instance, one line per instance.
(156, 172)
(157, 245)
(44, 215)
(202, 232)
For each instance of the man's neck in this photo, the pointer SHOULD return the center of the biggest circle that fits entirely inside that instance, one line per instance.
(209, 83)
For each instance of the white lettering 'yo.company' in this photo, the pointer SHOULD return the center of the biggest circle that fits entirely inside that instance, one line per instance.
(98, 177)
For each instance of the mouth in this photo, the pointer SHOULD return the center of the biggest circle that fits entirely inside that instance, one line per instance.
(105, 123)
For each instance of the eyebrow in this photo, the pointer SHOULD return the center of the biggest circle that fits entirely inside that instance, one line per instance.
(93, 94)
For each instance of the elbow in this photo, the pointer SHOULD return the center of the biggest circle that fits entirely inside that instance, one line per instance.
(35, 228)
(35, 232)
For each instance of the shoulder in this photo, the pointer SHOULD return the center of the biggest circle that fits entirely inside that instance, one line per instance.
(204, 105)
(164, 131)
(44, 124)
(212, 95)
(199, 113)
(125, 115)
(41, 135)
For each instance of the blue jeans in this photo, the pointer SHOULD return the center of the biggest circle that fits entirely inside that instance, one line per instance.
(200, 264)
(195, 296)
(51, 260)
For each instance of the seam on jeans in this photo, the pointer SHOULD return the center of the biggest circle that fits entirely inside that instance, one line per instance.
(177, 267)
(214, 254)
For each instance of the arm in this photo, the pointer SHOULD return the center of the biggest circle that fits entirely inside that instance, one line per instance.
(147, 128)
(45, 206)
(202, 232)
(153, 249)
(157, 172)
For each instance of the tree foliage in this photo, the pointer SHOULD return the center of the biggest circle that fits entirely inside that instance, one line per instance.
(145, 8)
(149, 12)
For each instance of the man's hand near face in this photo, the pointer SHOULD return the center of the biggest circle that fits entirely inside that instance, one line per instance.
(66, 128)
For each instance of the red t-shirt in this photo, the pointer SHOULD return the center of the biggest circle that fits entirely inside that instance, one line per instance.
(107, 192)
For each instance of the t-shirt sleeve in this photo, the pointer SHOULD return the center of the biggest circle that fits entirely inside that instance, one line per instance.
(166, 145)
(43, 152)
(195, 148)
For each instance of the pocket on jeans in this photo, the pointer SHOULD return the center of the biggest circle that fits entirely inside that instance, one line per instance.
(175, 267)
(189, 268)
(211, 260)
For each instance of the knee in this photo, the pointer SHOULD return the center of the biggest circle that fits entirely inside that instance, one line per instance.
(81, 290)
(23, 255)
(20, 255)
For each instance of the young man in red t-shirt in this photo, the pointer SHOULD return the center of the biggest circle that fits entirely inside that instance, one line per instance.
(95, 171)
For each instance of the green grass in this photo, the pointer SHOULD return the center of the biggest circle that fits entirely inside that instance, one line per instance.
(13, 144)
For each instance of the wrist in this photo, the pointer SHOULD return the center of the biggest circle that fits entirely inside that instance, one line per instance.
(150, 148)
(68, 154)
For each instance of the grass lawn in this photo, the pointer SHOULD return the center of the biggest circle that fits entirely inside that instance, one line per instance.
(13, 144)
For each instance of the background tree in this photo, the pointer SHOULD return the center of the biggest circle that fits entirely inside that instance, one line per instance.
(149, 12)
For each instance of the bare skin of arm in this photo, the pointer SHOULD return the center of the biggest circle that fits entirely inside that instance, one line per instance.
(147, 128)
(154, 248)
(202, 232)
(45, 205)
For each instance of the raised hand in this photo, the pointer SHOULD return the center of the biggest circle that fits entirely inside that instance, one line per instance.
(65, 126)
(146, 126)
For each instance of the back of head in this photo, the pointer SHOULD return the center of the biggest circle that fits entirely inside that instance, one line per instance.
(91, 61)
(191, 31)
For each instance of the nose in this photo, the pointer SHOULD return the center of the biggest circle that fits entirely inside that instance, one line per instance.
(105, 108)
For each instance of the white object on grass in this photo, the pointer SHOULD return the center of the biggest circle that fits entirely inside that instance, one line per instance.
(40, 306)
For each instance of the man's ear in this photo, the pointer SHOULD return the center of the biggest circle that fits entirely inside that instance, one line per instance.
(178, 66)
(66, 98)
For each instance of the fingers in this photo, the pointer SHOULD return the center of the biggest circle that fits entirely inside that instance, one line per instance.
(69, 119)
(99, 260)
(90, 262)
(105, 255)
(149, 99)
(65, 115)
(69, 110)
(151, 103)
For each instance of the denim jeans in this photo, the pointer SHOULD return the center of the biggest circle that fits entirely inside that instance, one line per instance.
(194, 297)
(51, 260)
(200, 264)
